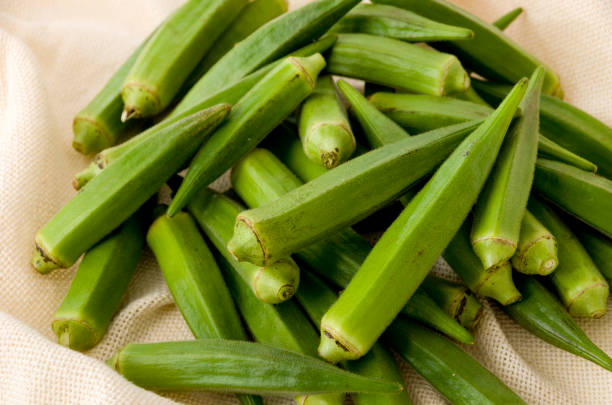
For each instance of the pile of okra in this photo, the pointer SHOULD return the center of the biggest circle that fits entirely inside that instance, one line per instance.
(460, 136)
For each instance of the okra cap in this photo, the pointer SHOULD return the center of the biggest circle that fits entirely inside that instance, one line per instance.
(276, 282)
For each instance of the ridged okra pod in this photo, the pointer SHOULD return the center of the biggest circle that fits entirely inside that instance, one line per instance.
(171, 54)
(536, 252)
(382, 286)
(568, 126)
(585, 195)
(216, 213)
(454, 373)
(393, 22)
(324, 127)
(599, 247)
(356, 188)
(507, 19)
(455, 299)
(419, 113)
(235, 366)
(116, 193)
(251, 119)
(491, 53)
(273, 40)
(395, 63)
(501, 205)
(579, 284)
(542, 314)
(99, 284)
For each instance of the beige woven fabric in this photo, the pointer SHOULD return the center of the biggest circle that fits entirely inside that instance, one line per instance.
(55, 55)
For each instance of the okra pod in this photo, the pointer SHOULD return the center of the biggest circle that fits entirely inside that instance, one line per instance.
(579, 284)
(540, 313)
(455, 299)
(568, 126)
(172, 53)
(536, 252)
(216, 214)
(395, 63)
(415, 239)
(99, 284)
(501, 205)
(471, 314)
(491, 53)
(587, 196)
(251, 119)
(393, 22)
(118, 191)
(471, 95)
(505, 20)
(454, 373)
(599, 247)
(324, 128)
(273, 40)
(236, 366)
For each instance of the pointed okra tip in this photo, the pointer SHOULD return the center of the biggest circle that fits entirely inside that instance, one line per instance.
(245, 245)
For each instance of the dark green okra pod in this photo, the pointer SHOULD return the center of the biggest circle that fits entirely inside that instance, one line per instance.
(505, 20)
(99, 284)
(599, 247)
(116, 193)
(537, 248)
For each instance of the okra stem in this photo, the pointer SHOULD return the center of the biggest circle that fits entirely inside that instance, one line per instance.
(537, 248)
(505, 20)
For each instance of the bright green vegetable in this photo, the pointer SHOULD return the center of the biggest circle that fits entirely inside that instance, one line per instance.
(455, 299)
(505, 20)
(599, 247)
(579, 284)
(491, 53)
(116, 193)
(501, 205)
(172, 53)
(393, 22)
(455, 374)
(382, 286)
(236, 366)
(536, 252)
(585, 195)
(324, 127)
(541, 314)
(395, 63)
(251, 119)
(471, 95)
(99, 284)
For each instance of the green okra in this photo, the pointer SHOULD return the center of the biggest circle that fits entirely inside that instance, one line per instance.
(324, 128)
(273, 40)
(216, 214)
(568, 126)
(455, 299)
(491, 53)
(471, 314)
(382, 286)
(356, 188)
(505, 20)
(536, 252)
(99, 284)
(501, 205)
(454, 373)
(118, 191)
(236, 366)
(585, 195)
(393, 22)
(395, 63)
(471, 95)
(599, 247)
(579, 284)
(542, 314)
(172, 53)
(421, 112)
(251, 119)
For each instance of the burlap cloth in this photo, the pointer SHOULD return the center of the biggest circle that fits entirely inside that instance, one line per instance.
(55, 55)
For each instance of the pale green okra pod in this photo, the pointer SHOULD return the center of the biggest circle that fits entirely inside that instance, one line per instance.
(536, 252)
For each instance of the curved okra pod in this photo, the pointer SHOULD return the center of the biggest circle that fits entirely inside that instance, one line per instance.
(501, 205)
(395, 63)
(587, 196)
(251, 119)
(393, 22)
(324, 127)
(171, 54)
(454, 373)
(542, 314)
(116, 193)
(505, 20)
(357, 188)
(99, 284)
(536, 252)
(599, 247)
(491, 53)
(235, 366)
(382, 286)
(579, 284)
